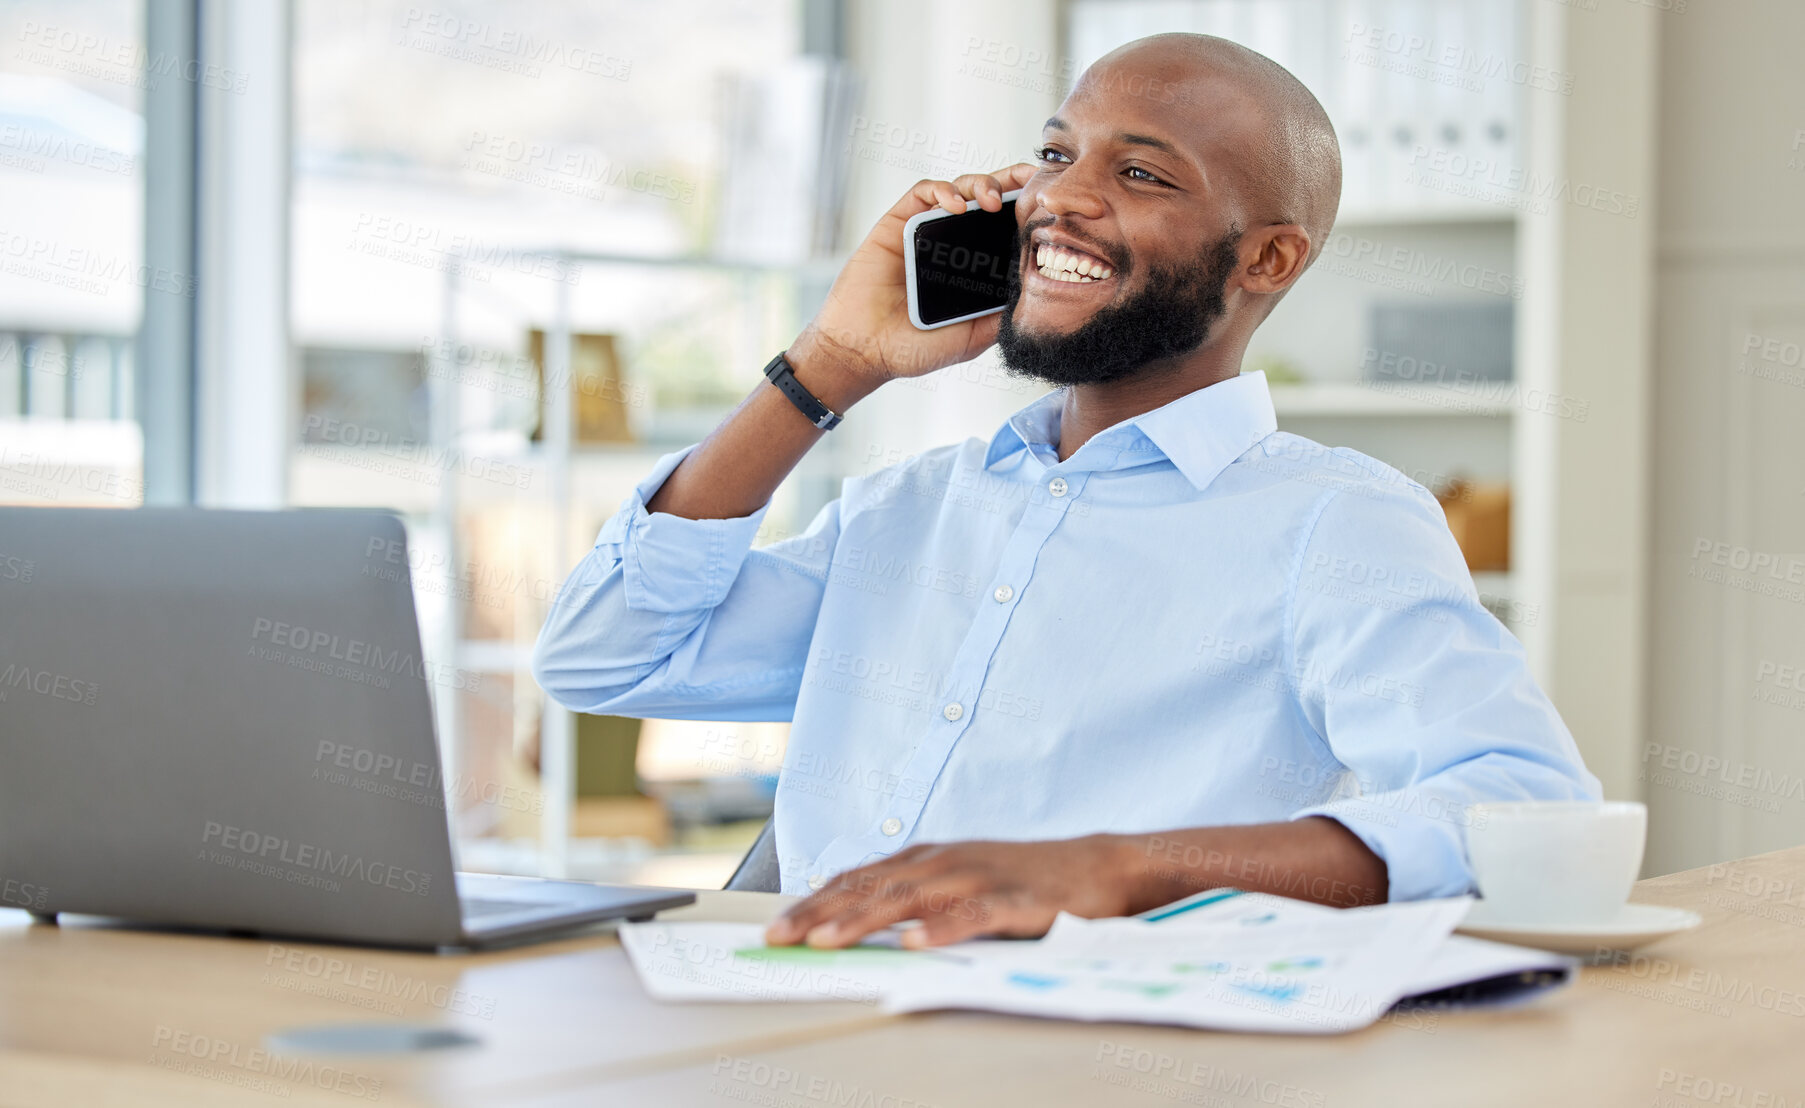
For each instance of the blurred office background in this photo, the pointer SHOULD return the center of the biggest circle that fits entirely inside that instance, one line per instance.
(485, 262)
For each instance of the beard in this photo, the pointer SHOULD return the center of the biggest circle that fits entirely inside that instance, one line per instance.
(1169, 317)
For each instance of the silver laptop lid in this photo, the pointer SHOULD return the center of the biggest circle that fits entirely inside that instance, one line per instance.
(220, 719)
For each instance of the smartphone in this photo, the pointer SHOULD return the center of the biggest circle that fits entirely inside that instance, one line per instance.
(958, 266)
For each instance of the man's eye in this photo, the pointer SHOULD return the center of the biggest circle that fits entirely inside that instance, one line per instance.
(1047, 154)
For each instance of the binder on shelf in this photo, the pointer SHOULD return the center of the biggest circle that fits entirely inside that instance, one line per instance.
(1425, 152)
(1452, 123)
(1405, 94)
(1358, 121)
(1495, 25)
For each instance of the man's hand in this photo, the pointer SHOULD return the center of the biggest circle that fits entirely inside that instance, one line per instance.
(859, 339)
(963, 890)
(862, 337)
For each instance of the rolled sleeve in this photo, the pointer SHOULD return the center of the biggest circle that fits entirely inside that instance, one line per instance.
(1416, 689)
(670, 563)
(676, 618)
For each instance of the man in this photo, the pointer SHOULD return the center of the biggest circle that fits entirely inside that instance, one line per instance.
(1136, 644)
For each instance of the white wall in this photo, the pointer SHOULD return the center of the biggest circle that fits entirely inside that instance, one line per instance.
(1586, 253)
(1728, 458)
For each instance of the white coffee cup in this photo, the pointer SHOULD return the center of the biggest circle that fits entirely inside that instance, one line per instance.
(1556, 861)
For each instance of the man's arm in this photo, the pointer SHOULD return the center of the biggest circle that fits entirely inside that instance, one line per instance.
(1411, 684)
(1415, 688)
(672, 612)
(861, 338)
(734, 471)
(961, 890)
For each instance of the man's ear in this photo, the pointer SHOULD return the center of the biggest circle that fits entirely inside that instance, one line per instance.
(1273, 258)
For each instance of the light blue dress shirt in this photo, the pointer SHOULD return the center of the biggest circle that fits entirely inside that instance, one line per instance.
(1194, 620)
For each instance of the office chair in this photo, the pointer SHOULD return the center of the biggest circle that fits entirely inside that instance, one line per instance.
(758, 871)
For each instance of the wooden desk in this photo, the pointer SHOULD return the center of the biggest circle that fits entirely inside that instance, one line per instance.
(91, 1014)
(96, 1015)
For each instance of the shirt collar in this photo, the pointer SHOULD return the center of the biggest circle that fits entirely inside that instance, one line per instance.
(1200, 433)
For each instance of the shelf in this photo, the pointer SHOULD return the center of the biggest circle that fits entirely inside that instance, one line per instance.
(818, 268)
(1463, 216)
(1377, 399)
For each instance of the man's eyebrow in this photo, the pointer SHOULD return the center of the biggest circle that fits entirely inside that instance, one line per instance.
(1058, 124)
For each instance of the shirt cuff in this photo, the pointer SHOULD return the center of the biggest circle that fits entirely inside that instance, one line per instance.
(669, 563)
(1416, 833)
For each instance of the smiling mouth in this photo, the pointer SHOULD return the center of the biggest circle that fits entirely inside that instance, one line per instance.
(1059, 264)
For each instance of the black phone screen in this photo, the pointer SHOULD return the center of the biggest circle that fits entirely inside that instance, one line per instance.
(963, 263)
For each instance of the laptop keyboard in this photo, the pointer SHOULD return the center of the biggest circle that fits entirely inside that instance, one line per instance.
(474, 907)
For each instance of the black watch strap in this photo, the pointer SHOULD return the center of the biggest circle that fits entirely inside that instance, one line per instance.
(781, 375)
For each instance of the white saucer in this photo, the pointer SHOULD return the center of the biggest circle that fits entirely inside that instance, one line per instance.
(1634, 925)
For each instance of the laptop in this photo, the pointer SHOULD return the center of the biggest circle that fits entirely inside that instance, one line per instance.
(223, 720)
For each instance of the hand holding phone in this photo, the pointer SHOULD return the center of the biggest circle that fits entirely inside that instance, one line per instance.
(863, 329)
(959, 266)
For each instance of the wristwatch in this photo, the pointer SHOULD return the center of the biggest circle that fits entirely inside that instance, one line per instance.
(779, 373)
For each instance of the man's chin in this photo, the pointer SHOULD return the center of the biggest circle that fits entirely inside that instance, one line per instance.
(1044, 318)
(1058, 376)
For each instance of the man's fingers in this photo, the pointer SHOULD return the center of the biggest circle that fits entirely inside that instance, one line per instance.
(988, 188)
(872, 891)
(868, 899)
(1015, 176)
(802, 918)
(783, 930)
(857, 895)
(944, 928)
(958, 892)
(930, 193)
(855, 921)
(915, 893)
(927, 193)
(983, 188)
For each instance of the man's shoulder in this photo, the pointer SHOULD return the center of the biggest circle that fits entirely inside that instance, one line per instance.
(1290, 459)
(889, 471)
(1366, 513)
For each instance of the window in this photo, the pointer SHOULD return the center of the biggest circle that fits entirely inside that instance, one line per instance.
(72, 277)
(473, 182)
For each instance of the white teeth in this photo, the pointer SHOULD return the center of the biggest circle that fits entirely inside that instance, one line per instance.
(1062, 266)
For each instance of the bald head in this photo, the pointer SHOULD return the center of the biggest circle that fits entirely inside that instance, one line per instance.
(1282, 154)
(1184, 187)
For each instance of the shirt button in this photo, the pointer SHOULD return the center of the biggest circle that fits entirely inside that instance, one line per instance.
(953, 711)
(892, 825)
(1056, 486)
(816, 881)
(1003, 593)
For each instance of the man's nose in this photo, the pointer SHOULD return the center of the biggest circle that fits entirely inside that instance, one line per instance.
(1072, 193)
